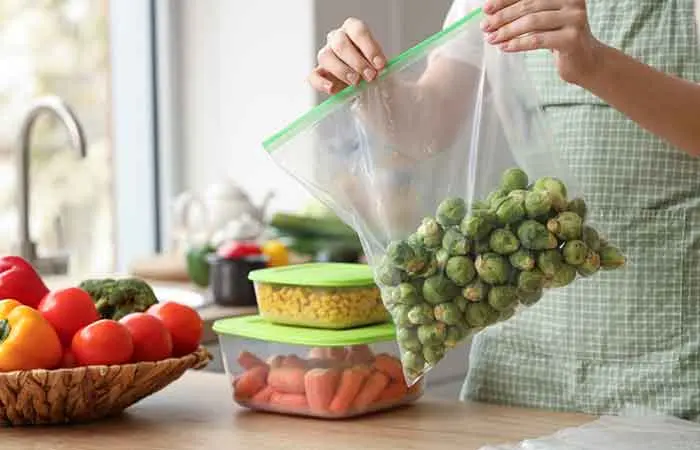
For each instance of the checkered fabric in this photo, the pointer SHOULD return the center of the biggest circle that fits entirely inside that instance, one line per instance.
(631, 337)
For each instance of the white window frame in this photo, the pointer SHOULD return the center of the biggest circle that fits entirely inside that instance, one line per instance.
(145, 138)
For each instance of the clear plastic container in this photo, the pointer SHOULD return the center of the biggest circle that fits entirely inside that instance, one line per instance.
(328, 374)
(319, 295)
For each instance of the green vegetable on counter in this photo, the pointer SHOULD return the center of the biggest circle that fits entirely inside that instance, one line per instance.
(115, 299)
(197, 264)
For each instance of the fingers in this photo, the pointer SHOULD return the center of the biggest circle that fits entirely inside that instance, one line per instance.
(532, 23)
(558, 39)
(346, 51)
(330, 62)
(362, 38)
(517, 10)
(324, 81)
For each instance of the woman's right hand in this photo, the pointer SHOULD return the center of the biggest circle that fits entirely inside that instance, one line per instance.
(351, 54)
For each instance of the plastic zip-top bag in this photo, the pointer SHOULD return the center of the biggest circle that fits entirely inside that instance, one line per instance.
(445, 168)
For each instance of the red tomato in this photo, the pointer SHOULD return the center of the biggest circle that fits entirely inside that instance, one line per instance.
(184, 324)
(105, 342)
(68, 310)
(152, 341)
(238, 250)
(68, 360)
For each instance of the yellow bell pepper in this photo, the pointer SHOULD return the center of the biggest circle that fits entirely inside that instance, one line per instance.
(27, 340)
(276, 252)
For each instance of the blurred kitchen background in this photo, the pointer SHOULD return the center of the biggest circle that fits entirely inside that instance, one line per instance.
(174, 98)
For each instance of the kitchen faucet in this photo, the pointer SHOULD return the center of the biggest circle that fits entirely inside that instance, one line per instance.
(58, 264)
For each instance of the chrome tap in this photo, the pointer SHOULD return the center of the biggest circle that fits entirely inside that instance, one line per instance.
(26, 247)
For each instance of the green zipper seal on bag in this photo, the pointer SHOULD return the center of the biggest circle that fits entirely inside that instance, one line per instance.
(255, 327)
(397, 63)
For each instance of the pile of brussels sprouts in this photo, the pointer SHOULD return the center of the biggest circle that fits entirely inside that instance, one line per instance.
(470, 267)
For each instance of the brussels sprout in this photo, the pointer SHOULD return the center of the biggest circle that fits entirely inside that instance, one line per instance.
(537, 203)
(479, 205)
(512, 210)
(413, 362)
(455, 335)
(492, 268)
(405, 293)
(455, 243)
(556, 189)
(531, 281)
(502, 298)
(421, 314)
(478, 225)
(451, 211)
(439, 289)
(591, 264)
(505, 315)
(566, 226)
(575, 252)
(461, 302)
(578, 206)
(476, 290)
(495, 196)
(530, 298)
(434, 354)
(408, 339)
(415, 240)
(565, 274)
(611, 258)
(518, 194)
(430, 232)
(522, 260)
(430, 269)
(419, 262)
(432, 334)
(448, 313)
(591, 238)
(503, 242)
(549, 261)
(399, 252)
(441, 258)
(399, 313)
(460, 269)
(389, 275)
(534, 236)
(480, 314)
(513, 179)
(482, 246)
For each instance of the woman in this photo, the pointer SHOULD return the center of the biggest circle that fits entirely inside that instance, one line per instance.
(618, 80)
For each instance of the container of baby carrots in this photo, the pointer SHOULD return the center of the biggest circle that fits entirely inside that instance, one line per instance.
(313, 372)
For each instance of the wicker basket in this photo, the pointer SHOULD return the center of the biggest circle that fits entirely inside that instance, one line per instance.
(40, 397)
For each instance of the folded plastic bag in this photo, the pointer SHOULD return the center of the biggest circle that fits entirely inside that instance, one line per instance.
(638, 432)
(465, 210)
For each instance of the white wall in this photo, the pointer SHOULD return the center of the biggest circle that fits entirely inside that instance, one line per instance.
(243, 68)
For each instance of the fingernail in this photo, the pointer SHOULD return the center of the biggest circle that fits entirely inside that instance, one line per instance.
(491, 38)
(484, 25)
(353, 78)
(328, 87)
(488, 7)
(368, 74)
(378, 62)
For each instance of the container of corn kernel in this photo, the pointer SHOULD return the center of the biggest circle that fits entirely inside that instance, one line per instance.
(319, 295)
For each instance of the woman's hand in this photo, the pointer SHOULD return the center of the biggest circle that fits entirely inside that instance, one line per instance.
(557, 25)
(351, 54)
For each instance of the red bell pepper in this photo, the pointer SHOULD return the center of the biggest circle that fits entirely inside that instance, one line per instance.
(20, 281)
(239, 250)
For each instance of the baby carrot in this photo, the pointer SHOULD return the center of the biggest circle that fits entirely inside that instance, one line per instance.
(350, 384)
(292, 402)
(275, 361)
(390, 366)
(250, 382)
(264, 395)
(373, 387)
(316, 353)
(393, 393)
(359, 354)
(248, 360)
(321, 385)
(287, 380)
(294, 361)
(336, 353)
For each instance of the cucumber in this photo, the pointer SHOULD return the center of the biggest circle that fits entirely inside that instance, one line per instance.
(299, 226)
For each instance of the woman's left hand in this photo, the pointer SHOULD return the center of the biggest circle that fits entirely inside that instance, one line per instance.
(557, 25)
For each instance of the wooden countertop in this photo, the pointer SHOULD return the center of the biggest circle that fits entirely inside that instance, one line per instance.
(196, 412)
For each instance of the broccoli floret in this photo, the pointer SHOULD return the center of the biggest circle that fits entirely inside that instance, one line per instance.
(115, 299)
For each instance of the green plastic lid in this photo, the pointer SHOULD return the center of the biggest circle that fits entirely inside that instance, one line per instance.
(255, 327)
(316, 275)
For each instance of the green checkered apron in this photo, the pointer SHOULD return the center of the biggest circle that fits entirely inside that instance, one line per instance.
(628, 338)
